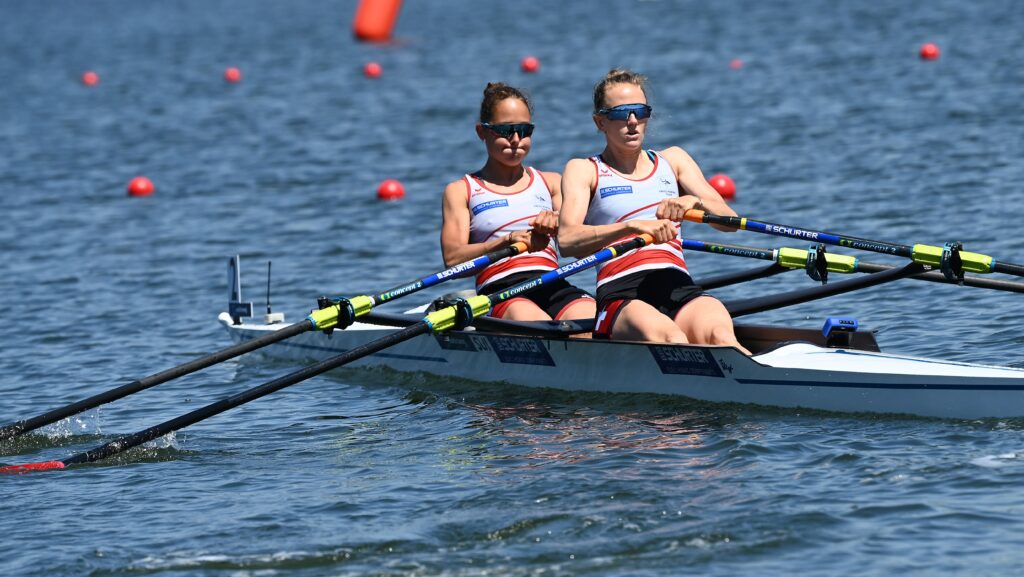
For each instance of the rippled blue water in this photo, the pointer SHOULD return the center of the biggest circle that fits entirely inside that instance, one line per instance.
(832, 123)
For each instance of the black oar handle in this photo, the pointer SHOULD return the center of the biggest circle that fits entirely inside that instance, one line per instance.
(26, 425)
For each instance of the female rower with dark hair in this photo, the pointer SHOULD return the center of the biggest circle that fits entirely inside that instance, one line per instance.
(625, 191)
(506, 202)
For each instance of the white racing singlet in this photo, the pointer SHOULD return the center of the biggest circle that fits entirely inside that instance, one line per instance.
(616, 198)
(495, 214)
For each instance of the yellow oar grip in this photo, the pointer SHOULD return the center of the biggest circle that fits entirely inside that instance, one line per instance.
(520, 247)
(838, 263)
(361, 305)
(972, 261)
(444, 319)
(327, 318)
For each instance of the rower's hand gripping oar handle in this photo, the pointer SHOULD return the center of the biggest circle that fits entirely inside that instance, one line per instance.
(465, 310)
(341, 313)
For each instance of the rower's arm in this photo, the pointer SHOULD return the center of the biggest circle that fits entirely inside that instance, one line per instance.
(692, 181)
(576, 239)
(455, 245)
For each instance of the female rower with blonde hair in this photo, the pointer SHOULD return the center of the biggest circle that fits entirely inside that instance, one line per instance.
(506, 202)
(626, 191)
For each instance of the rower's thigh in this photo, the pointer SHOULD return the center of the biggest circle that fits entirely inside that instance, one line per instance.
(525, 310)
(580, 309)
(705, 321)
(639, 321)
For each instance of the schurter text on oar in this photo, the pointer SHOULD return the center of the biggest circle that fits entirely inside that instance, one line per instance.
(792, 232)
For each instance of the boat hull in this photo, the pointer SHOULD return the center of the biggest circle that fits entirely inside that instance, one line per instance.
(793, 375)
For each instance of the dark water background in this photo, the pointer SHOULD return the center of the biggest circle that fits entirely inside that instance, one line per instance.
(832, 123)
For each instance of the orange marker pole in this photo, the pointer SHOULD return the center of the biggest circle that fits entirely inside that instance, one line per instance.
(375, 19)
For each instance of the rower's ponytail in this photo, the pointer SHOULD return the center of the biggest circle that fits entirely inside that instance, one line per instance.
(617, 76)
(494, 93)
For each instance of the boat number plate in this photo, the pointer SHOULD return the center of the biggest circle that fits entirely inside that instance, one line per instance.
(520, 350)
(676, 360)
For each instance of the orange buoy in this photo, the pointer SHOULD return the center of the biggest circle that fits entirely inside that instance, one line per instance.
(372, 70)
(90, 78)
(530, 64)
(390, 189)
(141, 186)
(929, 51)
(375, 19)
(232, 75)
(724, 185)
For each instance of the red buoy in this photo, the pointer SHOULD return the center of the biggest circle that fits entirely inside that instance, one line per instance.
(90, 78)
(233, 75)
(390, 189)
(372, 70)
(530, 64)
(735, 64)
(141, 186)
(929, 51)
(724, 185)
(375, 19)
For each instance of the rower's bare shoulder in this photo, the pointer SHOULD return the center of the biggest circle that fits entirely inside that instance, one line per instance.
(676, 154)
(456, 187)
(579, 169)
(554, 179)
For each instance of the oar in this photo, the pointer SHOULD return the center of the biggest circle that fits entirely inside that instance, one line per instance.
(786, 259)
(341, 312)
(456, 316)
(950, 259)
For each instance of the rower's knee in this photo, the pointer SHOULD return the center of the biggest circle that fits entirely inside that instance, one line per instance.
(722, 335)
(676, 337)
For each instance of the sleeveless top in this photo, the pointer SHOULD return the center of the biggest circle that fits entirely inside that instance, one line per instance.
(616, 198)
(495, 214)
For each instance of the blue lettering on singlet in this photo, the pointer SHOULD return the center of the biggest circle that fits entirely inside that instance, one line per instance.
(613, 190)
(489, 205)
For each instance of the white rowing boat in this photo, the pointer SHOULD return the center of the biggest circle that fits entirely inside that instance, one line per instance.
(791, 368)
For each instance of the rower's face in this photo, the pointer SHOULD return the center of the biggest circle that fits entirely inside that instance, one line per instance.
(511, 150)
(629, 132)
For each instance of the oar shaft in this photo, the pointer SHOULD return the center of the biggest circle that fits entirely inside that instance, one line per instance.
(786, 259)
(605, 254)
(934, 256)
(26, 425)
(456, 271)
(436, 321)
(157, 431)
(804, 234)
(23, 426)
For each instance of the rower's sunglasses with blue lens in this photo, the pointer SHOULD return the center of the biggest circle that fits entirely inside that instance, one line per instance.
(622, 111)
(523, 129)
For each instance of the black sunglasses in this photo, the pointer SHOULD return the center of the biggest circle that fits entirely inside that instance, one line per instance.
(523, 129)
(622, 111)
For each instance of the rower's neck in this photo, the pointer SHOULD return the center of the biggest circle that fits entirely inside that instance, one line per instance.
(501, 174)
(628, 162)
